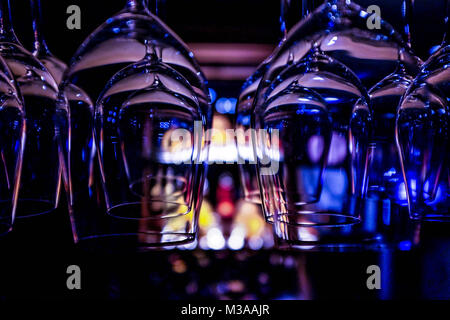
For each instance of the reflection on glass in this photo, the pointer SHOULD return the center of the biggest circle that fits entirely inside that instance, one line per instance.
(12, 136)
(293, 140)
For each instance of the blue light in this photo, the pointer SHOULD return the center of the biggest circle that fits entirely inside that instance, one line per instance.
(213, 95)
(164, 125)
(405, 245)
(245, 120)
(226, 105)
(433, 49)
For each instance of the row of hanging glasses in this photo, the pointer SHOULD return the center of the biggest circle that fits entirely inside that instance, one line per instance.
(122, 128)
(342, 127)
(347, 127)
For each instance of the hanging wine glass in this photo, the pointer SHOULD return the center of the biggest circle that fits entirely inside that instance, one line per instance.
(385, 174)
(341, 28)
(114, 45)
(12, 140)
(422, 134)
(149, 127)
(378, 172)
(425, 144)
(55, 66)
(247, 161)
(292, 143)
(340, 88)
(40, 177)
(127, 32)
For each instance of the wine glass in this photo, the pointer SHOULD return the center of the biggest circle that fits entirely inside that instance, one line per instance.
(339, 29)
(40, 177)
(385, 174)
(377, 172)
(425, 144)
(247, 161)
(292, 138)
(55, 66)
(422, 140)
(12, 140)
(340, 89)
(149, 127)
(129, 32)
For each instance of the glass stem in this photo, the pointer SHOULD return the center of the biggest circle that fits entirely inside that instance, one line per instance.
(158, 8)
(309, 6)
(7, 33)
(283, 17)
(136, 5)
(40, 45)
(408, 11)
(292, 11)
(447, 24)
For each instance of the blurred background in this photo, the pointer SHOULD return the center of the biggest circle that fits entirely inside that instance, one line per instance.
(230, 38)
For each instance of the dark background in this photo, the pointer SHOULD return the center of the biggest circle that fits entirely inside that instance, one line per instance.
(222, 21)
(34, 257)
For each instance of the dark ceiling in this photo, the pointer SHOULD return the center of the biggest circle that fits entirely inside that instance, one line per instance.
(219, 21)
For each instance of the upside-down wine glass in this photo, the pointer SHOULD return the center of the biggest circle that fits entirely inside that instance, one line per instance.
(384, 212)
(246, 159)
(40, 176)
(385, 174)
(334, 205)
(371, 53)
(149, 127)
(117, 43)
(423, 138)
